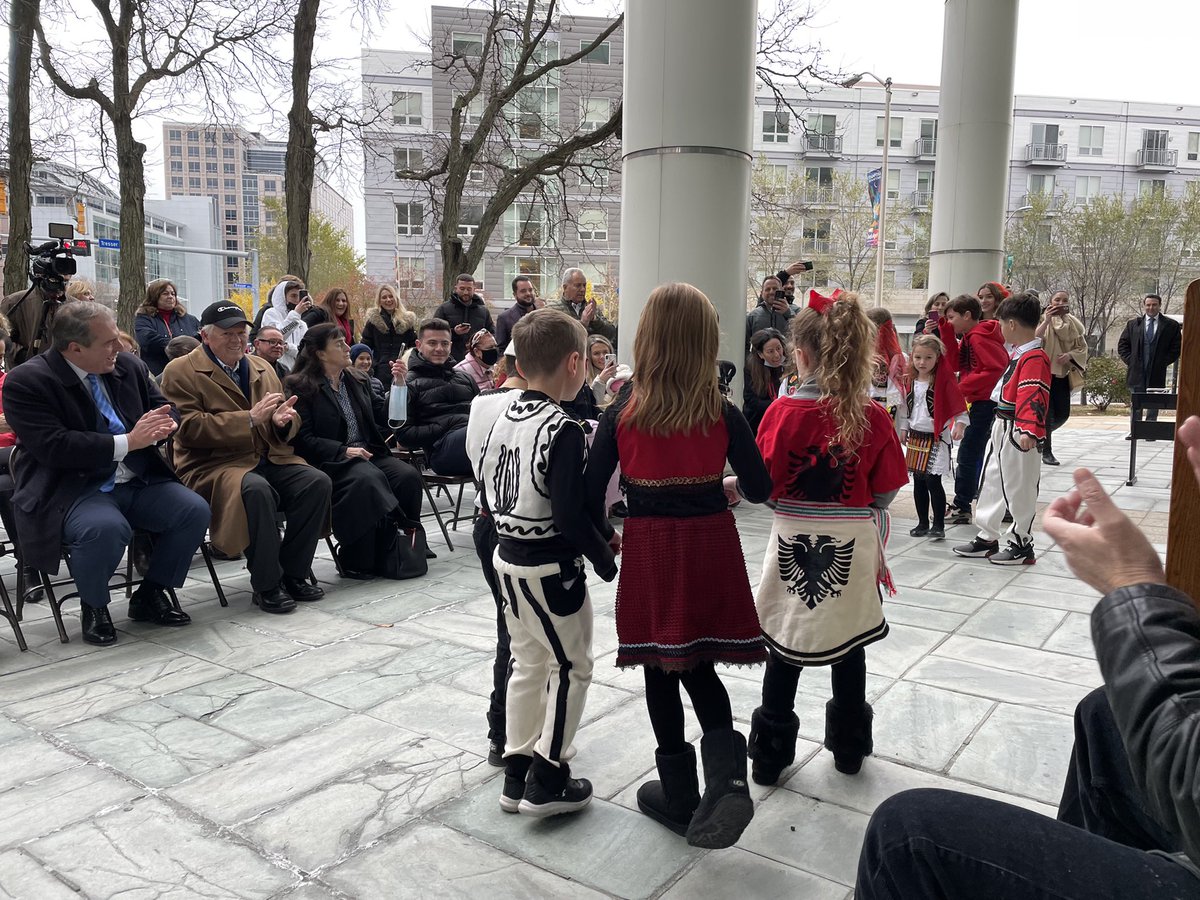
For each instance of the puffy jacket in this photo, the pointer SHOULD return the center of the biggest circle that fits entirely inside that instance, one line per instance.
(1147, 639)
(763, 317)
(475, 313)
(153, 335)
(439, 400)
(978, 358)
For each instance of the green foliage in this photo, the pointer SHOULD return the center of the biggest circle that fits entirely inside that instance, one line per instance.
(334, 262)
(1105, 382)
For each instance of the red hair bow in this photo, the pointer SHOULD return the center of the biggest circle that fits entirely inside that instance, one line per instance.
(820, 302)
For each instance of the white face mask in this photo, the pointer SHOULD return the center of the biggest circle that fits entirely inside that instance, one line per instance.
(773, 365)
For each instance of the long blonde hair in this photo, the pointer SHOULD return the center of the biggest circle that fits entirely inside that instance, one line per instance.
(675, 363)
(841, 345)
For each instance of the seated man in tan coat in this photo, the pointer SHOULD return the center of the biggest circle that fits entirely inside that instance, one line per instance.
(232, 449)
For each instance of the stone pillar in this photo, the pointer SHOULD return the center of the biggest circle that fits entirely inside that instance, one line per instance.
(685, 194)
(970, 187)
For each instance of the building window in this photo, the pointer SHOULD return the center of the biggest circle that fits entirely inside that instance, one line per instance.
(929, 129)
(818, 184)
(530, 268)
(1087, 187)
(1193, 150)
(596, 275)
(1152, 187)
(406, 108)
(231, 230)
(775, 126)
(210, 184)
(176, 181)
(776, 175)
(594, 174)
(893, 184)
(228, 153)
(525, 225)
(409, 159)
(230, 199)
(194, 151)
(174, 134)
(210, 152)
(924, 195)
(176, 165)
(410, 272)
(193, 135)
(194, 166)
(229, 168)
(194, 184)
(1041, 184)
(231, 245)
(176, 151)
(231, 215)
(269, 185)
(1091, 140)
(895, 132)
(210, 168)
(476, 175)
(410, 219)
(594, 114)
(467, 43)
(537, 110)
(230, 184)
(593, 225)
(469, 217)
(598, 56)
(472, 112)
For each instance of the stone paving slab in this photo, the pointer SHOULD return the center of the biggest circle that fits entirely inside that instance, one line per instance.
(339, 752)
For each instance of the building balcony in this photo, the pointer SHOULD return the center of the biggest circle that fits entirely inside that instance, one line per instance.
(815, 246)
(925, 148)
(817, 196)
(1157, 160)
(922, 199)
(823, 145)
(1045, 154)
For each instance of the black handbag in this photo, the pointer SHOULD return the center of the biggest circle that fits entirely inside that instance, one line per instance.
(400, 553)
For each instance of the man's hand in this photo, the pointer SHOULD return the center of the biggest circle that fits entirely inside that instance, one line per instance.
(264, 407)
(796, 268)
(399, 371)
(284, 413)
(357, 453)
(1103, 548)
(151, 428)
(539, 303)
(614, 543)
(1026, 442)
(462, 329)
(1189, 435)
(589, 313)
(956, 433)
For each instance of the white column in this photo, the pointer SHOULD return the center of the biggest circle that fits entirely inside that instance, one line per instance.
(685, 195)
(974, 141)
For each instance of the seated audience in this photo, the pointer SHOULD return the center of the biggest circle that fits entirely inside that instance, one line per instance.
(601, 367)
(128, 344)
(363, 359)
(161, 317)
(482, 355)
(1129, 821)
(269, 344)
(439, 401)
(87, 471)
(232, 449)
(764, 374)
(341, 433)
(289, 303)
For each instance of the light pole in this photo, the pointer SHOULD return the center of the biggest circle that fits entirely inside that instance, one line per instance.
(880, 249)
(395, 242)
(1008, 256)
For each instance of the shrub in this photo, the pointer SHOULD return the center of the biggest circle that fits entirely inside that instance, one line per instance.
(1105, 382)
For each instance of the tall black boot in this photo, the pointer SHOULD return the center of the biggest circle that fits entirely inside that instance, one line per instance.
(726, 808)
(848, 735)
(772, 745)
(672, 799)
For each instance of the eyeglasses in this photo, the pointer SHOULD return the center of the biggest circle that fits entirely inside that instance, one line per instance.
(270, 343)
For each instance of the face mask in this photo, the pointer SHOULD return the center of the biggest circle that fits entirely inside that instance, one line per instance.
(490, 357)
(773, 365)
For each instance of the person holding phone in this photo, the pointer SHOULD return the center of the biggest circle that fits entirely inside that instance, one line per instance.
(775, 309)
(467, 313)
(602, 366)
(1064, 342)
(289, 301)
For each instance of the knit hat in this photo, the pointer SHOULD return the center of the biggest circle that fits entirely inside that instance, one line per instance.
(357, 350)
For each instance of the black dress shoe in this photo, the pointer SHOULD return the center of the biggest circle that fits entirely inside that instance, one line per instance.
(1049, 460)
(151, 604)
(97, 625)
(33, 585)
(301, 591)
(274, 601)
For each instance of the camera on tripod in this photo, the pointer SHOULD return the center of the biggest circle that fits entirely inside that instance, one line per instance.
(50, 265)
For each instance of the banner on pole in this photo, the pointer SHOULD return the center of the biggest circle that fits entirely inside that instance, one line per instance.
(874, 179)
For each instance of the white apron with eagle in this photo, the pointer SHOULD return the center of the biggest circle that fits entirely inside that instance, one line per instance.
(819, 595)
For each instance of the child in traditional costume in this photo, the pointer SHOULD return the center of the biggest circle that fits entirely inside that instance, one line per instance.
(931, 418)
(836, 464)
(889, 378)
(683, 598)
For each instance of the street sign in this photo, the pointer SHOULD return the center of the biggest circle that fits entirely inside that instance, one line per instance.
(110, 243)
(242, 286)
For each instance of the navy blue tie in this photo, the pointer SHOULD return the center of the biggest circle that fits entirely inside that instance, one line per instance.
(1150, 323)
(115, 425)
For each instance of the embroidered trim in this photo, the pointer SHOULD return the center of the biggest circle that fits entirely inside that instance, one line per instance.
(671, 482)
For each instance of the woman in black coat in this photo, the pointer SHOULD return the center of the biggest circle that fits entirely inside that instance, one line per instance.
(340, 434)
(389, 331)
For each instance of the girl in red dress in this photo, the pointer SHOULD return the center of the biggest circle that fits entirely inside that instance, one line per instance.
(836, 464)
(683, 598)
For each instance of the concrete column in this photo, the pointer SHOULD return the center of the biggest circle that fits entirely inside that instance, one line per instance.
(970, 186)
(685, 195)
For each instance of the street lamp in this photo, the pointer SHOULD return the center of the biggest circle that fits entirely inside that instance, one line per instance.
(1008, 256)
(395, 242)
(880, 249)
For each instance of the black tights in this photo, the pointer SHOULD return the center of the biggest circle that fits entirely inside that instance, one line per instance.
(710, 700)
(928, 491)
(849, 676)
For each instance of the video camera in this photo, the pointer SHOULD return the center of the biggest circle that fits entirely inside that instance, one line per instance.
(50, 265)
(726, 371)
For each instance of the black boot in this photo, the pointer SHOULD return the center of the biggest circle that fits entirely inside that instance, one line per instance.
(772, 745)
(674, 797)
(848, 735)
(726, 808)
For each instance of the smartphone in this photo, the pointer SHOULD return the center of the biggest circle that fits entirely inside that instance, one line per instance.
(609, 359)
(303, 294)
(808, 266)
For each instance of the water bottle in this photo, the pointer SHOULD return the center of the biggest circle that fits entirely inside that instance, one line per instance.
(398, 406)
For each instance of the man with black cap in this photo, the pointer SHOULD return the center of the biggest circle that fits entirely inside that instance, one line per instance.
(232, 449)
(87, 472)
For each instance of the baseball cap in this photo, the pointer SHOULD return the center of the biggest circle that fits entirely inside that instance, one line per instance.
(223, 314)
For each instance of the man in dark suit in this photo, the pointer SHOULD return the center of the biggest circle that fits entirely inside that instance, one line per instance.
(1148, 346)
(87, 418)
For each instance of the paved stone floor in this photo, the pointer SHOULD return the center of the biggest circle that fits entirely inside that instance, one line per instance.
(339, 751)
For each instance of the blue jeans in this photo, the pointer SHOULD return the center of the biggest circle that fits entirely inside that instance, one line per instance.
(971, 453)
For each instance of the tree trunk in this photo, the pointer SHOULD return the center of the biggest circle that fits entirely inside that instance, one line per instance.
(455, 261)
(301, 159)
(132, 180)
(20, 155)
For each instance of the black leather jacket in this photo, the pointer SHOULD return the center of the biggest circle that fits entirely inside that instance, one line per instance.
(1147, 639)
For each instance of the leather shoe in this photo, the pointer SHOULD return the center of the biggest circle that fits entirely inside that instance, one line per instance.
(97, 625)
(274, 601)
(1049, 460)
(151, 604)
(301, 591)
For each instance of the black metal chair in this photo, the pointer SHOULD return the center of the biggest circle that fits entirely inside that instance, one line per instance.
(433, 483)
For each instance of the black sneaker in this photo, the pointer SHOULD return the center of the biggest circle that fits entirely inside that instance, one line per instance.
(496, 754)
(937, 533)
(978, 548)
(516, 771)
(1049, 460)
(919, 531)
(1014, 554)
(960, 516)
(552, 791)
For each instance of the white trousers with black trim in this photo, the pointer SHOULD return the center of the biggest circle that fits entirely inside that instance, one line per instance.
(1010, 483)
(549, 616)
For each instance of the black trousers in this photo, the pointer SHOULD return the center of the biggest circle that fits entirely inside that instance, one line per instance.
(484, 535)
(971, 452)
(928, 492)
(710, 700)
(1060, 408)
(935, 843)
(848, 677)
(302, 494)
(449, 455)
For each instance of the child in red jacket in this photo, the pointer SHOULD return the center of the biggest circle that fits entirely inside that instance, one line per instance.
(975, 351)
(1013, 468)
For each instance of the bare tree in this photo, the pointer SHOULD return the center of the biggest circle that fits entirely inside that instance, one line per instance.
(840, 216)
(1173, 242)
(22, 17)
(1028, 240)
(148, 52)
(776, 221)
